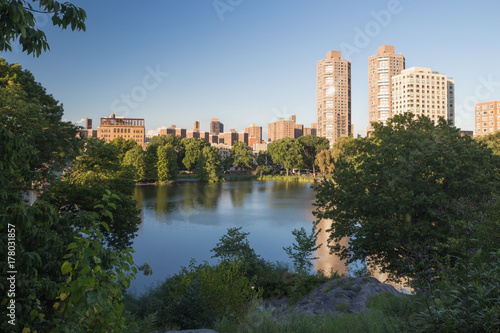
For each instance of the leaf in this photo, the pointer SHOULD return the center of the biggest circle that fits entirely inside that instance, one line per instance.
(66, 268)
(72, 246)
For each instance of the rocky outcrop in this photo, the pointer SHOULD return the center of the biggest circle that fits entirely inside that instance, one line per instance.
(340, 296)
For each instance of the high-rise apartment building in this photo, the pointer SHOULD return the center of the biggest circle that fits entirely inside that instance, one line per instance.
(127, 128)
(487, 118)
(423, 92)
(381, 68)
(254, 132)
(333, 86)
(216, 127)
(281, 128)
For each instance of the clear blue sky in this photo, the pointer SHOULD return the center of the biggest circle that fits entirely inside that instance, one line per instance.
(250, 61)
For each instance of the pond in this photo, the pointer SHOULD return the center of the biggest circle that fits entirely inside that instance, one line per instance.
(185, 220)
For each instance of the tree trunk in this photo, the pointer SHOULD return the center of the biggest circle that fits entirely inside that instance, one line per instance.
(287, 172)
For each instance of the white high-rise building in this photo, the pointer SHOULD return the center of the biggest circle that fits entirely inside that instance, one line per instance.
(423, 92)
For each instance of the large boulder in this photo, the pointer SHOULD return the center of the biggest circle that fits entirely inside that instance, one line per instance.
(339, 296)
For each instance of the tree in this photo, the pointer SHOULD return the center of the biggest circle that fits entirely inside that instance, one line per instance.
(167, 163)
(492, 141)
(209, 166)
(123, 146)
(94, 171)
(26, 109)
(400, 188)
(194, 147)
(242, 156)
(301, 251)
(288, 153)
(136, 158)
(234, 245)
(326, 159)
(18, 23)
(312, 146)
(50, 245)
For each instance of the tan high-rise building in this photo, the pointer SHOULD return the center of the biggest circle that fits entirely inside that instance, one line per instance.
(333, 91)
(216, 127)
(127, 128)
(423, 92)
(487, 118)
(381, 68)
(255, 132)
(281, 129)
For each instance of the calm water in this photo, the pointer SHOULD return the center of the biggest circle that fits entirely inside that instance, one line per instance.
(186, 220)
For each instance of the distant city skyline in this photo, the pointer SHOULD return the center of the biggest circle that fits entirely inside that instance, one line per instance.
(251, 62)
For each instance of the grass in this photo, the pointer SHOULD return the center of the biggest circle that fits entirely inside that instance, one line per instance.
(288, 178)
(258, 321)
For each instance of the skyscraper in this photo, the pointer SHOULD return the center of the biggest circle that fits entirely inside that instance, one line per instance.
(423, 92)
(381, 68)
(333, 86)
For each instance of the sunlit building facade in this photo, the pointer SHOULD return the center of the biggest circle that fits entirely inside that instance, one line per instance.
(333, 91)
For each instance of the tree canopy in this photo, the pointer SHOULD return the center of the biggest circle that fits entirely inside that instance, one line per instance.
(26, 109)
(400, 188)
(288, 153)
(18, 22)
(312, 146)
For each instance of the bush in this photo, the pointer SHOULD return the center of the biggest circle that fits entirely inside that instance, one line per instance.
(198, 296)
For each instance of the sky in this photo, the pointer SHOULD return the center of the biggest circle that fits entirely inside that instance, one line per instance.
(173, 62)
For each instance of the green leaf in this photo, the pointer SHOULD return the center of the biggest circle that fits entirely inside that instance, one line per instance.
(66, 268)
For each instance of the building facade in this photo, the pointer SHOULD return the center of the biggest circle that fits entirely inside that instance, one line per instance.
(282, 128)
(216, 127)
(424, 93)
(487, 118)
(254, 133)
(127, 128)
(333, 91)
(381, 68)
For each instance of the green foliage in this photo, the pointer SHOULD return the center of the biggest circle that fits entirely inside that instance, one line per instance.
(242, 156)
(18, 22)
(137, 158)
(167, 163)
(193, 149)
(15, 156)
(301, 251)
(312, 146)
(262, 321)
(209, 168)
(492, 141)
(264, 158)
(27, 110)
(124, 146)
(288, 153)
(200, 295)
(234, 245)
(263, 170)
(400, 187)
(91, 297)
(94, 171)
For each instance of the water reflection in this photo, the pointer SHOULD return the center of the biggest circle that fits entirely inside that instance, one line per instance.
(327, 262)
(185, 220)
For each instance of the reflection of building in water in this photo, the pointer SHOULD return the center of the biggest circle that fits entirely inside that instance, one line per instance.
(329, 262)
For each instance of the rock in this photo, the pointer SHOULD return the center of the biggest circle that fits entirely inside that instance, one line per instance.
(338, 297)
